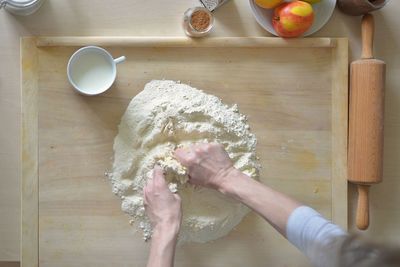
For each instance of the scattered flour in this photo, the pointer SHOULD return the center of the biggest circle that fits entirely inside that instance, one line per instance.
(167, 115)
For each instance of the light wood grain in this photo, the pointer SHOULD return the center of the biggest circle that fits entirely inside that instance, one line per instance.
(162, 18)
(366, 112)
(149, 41)
(9, 264)
(339, 129)
(29, 156)
(362, 217)
(366, 121)
(367, 36)
(301, 128)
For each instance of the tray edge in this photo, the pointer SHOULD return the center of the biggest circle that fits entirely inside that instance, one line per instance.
(29, 153)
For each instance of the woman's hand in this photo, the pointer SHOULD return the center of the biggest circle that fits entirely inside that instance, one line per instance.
(164, 211)
(208, 164)
(162, 206)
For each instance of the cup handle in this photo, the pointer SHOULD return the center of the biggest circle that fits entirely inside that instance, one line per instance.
(119, 60)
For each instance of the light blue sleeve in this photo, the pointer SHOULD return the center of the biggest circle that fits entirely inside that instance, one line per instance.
(318, 238)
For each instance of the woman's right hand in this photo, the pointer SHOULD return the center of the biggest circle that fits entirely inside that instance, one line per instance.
(208, 164)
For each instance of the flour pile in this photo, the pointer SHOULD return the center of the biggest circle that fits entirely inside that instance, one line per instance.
(167, 115)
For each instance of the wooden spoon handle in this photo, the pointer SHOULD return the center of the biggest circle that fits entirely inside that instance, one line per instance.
(362, 218)
(367, 35)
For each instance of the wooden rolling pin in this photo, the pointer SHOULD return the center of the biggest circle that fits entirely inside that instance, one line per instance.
(365, 155)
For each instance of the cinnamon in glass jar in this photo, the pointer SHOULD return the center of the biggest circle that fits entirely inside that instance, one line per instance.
(197, 21)
(200, 20)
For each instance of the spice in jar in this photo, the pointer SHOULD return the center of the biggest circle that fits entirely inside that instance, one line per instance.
(200, 20)
(197, 21)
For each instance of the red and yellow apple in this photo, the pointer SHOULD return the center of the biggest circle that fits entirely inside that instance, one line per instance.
(292, 19)
(268, 3)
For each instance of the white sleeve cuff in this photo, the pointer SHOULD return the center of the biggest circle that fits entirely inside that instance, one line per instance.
(314, 235)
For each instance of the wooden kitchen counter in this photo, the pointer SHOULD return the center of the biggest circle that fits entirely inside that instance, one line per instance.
(163, 18)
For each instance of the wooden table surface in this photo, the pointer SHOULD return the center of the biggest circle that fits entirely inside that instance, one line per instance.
(163, 18)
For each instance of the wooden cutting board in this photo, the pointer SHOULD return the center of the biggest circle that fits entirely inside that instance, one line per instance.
(293, 91)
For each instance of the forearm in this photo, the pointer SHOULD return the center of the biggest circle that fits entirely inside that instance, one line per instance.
(162, 249)
(272, 205)
(305, 228)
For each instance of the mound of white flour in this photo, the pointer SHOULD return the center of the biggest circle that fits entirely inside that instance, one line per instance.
(164, 116)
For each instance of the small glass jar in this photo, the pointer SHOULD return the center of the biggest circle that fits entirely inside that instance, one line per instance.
(189, 29)
(21, 7)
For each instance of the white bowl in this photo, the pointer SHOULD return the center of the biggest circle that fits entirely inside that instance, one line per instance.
(322, 12)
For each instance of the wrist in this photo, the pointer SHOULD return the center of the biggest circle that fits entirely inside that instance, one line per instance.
(166, 231)
(163, 244)
(229, 181)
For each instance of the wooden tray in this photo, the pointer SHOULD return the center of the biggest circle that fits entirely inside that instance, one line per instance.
(293, 91)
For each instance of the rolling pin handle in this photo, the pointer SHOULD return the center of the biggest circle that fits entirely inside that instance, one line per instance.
(362, 217)
(367, 35)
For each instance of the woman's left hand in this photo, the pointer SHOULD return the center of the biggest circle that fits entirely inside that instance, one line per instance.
(164, 211)
(162, 206)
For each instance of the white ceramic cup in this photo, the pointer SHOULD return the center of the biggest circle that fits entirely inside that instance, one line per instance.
(92, 70)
